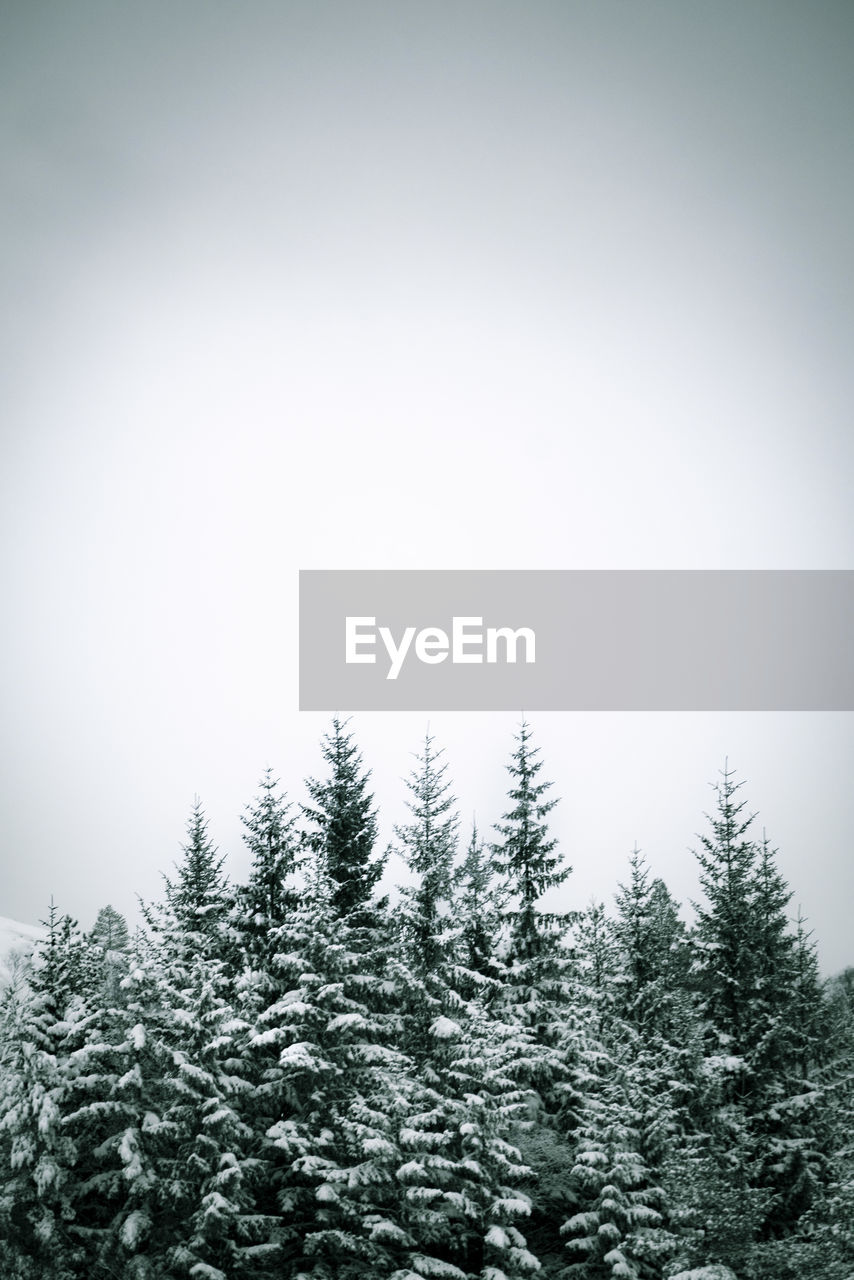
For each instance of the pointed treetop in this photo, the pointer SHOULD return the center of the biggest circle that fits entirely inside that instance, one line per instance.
(197, 897)
(271, 839)
(526, 855)
(345, 822)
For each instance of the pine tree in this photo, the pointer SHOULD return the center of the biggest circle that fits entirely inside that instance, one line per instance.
(657, 1009)
(725, 931)
(197, 1142)
(269, 895)
(618, 1226)
(632, 930)
(37, 1153)
(428, 847)
(124, 1214)
(110, 936)
(526, 854)
(345, 823)
(211, 1164)
(330, 1094)
(535, 990)
(477, 908)
(759, 1109)
(110, 931)
(197, 900)
(271, 839)
(64, 965)
(533, 954)
(459, 1171)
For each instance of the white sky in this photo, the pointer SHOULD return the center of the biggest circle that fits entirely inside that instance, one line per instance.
(407, 285)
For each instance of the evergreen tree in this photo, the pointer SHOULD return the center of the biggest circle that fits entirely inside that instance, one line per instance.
(271, 839)
(330, 1095)
(345, 823)
(38, 1155)
(110, 936)
(478, 906)
(535, 992)
(526, 855)
(211, 1163)
(64, 965)
(759, 1109)
(619, 1225)
(653, 975)
(657, 1011)
(110, 931)
(197, 900)
(728, 933)
(533, 954)
(269, 895)
(459, 1172)
(428, 846)
(124, 1214)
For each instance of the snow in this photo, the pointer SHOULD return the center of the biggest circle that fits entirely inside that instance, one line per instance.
(726, 1063)
(16, 940)
(445, 1028)
(385, 1229)
(135, 1225)
(498, 1237)
(203, 1271)
(347, 1020)
(715, 1272)
(426, 1266)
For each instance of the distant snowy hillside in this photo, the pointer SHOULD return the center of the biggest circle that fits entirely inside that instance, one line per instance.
(15, 939)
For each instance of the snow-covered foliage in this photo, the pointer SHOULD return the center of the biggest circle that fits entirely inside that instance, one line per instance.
(290, 1079)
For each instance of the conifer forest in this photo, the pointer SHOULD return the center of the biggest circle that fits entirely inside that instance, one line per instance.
(298, 1077)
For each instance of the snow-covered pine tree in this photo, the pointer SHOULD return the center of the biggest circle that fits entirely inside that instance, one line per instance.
(536, 990)
(823, 1248)
(786, 1104)
(658, 1010)
(428, 846)
(763, 1119)
(270, 836)
(331, 1083)
(477, 911)
(460, 1175)
(261, 907)
(535, 956)
(110, 936)
(616, 1229)
(726, 933)
(344, 822)
(114, 1100)
(617, 1225)
(654, 961)
(110, 931)
(213, 1163)
(198, 899)
(37, 1155)
(201, 1025)
(526, 855)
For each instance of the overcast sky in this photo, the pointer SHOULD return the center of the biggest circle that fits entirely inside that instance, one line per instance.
(407, 285)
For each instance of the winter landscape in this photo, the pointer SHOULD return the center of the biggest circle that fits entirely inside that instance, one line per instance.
(405, 285)
(297, 1078)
